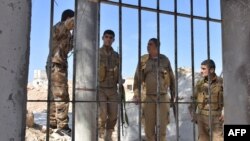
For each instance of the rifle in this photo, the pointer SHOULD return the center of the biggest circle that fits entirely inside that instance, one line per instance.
(192, 110)
(123, 102)
(173, 104)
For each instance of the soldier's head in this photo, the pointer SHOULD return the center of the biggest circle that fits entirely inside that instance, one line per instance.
(153, 46)
(67, 14)
(207, 67)
(108, 37)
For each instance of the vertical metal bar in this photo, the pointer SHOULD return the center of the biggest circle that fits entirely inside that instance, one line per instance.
(158, 124)
(74, 72)
(120, 70)
(97, 78)
(192, 60)
(176, 68)
(209, 79)
(49, 75)
(139, 62)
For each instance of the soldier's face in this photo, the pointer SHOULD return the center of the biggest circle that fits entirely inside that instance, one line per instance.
(205, 71)
(108, 40)
(152, 49)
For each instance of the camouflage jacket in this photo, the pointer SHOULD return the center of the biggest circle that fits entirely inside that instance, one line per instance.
(108, 68)
(201, 95)
(148, 71)
(62, 44)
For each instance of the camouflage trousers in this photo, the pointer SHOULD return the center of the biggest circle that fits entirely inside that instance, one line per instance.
(203, 128)
(107, 110)
(59, 92)
(150, 116)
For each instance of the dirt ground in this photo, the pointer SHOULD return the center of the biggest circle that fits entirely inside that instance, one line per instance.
(37, 98)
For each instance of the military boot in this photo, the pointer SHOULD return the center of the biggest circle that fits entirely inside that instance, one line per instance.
(108, 136)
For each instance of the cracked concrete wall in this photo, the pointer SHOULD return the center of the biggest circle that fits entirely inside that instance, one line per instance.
(14, 62)
(86, 70)
(236, 66)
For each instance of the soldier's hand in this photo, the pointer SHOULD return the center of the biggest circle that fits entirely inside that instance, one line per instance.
(136, 99)
(172, 102)
(70, 24)
(192, 114)
(221, 118)
(194, 118)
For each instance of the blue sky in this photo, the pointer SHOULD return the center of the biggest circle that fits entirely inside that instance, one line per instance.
(109, 20)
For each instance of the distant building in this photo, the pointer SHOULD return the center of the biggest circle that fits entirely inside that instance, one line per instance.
(128, 84)
(40, 78)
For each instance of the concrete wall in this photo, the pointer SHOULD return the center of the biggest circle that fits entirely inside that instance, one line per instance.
(14, 56)
(86, 70)
(236, 66)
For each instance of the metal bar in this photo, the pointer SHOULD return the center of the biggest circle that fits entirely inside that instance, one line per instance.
(120, 70)
(192, 60)
(209, 78)
(74, 76)
(49, 75)
(161, 11)
(139, 64)
(79, 101)
(176, 67)
(158, 124)
(97, 78)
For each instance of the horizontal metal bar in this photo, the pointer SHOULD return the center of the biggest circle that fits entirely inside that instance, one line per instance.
(119, 101)
(162, 11)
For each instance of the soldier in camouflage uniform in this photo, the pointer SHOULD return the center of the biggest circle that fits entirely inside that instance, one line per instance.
(148, 70)
(201, 100)
(108, 80)
(57, 72)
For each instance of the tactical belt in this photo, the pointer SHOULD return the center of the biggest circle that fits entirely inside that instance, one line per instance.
(213, 113)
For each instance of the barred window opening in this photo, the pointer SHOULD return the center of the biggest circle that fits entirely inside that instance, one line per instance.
(188, 31)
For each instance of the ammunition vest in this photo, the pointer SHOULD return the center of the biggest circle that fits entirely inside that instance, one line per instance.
(216, 91)
(163, 72)
(108, 68)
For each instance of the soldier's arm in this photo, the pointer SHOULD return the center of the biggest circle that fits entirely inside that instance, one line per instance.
(172, 81)
(60, 29)
(136, 85)
(136, 80)
(119, 74)
(222, 95)
(69, 23)
(222, 102)
(193, 105)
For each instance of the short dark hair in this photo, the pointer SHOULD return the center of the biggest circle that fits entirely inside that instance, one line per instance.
(67, 14)
(110, 32)
(156, 41)
(209, 62)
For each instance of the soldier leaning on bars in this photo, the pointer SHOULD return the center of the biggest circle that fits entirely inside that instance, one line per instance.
(57, 71)
(201, 100)
(148, 70)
